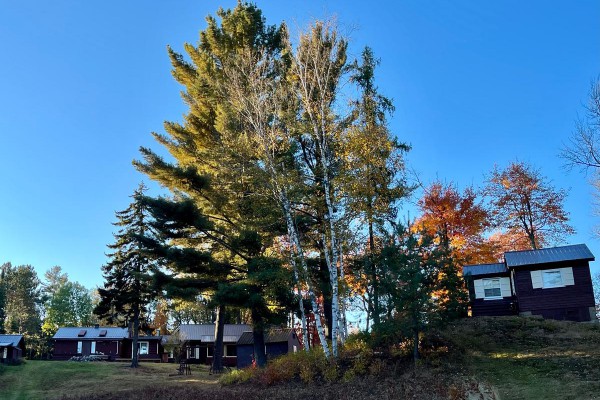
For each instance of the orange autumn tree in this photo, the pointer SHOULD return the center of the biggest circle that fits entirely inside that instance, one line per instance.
(458, 220)
(524, 203)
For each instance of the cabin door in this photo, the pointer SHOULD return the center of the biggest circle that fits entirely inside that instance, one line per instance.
(86, 348)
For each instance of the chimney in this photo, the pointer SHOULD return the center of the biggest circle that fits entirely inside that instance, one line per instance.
(97, 326)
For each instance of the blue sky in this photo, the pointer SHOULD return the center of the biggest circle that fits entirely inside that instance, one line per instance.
(82, 85)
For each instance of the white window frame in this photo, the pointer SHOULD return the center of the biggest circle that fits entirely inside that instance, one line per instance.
(93, 348)
(547, 285)
(140, 352)
(79, 347)
(5, 353)
(499, 287)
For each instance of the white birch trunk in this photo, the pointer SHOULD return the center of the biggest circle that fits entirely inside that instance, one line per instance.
(300, 254)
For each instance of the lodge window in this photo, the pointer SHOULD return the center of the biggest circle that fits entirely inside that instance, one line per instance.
(491, 288)
(230, 350)
(552, 278)
(143, 348)
(79, 347)
(210, 351)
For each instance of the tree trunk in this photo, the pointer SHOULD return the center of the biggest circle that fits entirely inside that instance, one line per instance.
(135, 336)
(258, 335)
(416, 354)
(293, 233)
(376, 310)
(217, 363)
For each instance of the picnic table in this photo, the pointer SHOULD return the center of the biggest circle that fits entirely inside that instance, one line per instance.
(184, 368)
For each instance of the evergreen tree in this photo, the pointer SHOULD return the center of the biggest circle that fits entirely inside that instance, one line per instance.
(23, 299)
(412, 265)
(126, 290)
(373, 180)
(2, 299)
(219, 225)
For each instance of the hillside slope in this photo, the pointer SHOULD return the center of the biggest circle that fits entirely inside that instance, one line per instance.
(526, 358)
(475, 359)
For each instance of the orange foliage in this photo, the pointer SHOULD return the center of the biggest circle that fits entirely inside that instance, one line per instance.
(526, 205)
(458, 220)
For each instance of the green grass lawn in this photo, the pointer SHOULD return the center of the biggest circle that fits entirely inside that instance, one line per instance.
(57, 379)
(527, 358)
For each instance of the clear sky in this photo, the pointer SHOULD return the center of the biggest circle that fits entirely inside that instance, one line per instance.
(82, 85)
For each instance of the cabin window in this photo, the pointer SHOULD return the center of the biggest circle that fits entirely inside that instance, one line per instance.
(230, 350)
(79, 347)
(552, 278)
(491, 288)
(5, 353)
(93, 350)
(209, 351)
(143, 347)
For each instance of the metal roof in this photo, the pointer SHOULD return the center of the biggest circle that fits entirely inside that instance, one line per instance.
(91, 333)
(484, 269)
(550, 255)
(271, 336)
(10, 340)
(206, 332)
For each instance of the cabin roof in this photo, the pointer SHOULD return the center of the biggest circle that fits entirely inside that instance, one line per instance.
(206, 332)
(91, 333)
(271, 336)
(550, 255)
(10, 340)
(485, 269)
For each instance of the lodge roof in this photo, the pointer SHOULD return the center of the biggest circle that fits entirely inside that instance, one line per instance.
(10, 340)
(206, 332)
(79, 333)
(271, 336)
(549, 255)
(485, 269)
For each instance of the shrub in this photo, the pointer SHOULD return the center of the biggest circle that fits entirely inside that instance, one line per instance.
(238, 376)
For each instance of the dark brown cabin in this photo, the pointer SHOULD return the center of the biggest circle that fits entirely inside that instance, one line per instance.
(277, 342)
(490, 290)
(109, 342)
(198, 340)
(12, 348)
(553, 283)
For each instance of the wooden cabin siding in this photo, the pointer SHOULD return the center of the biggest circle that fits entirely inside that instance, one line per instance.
(568, 302)
(155, 349)
(492, 308)
(107, 347)
(244, 355)
(13, 354)
(64, 349)
(202, 357)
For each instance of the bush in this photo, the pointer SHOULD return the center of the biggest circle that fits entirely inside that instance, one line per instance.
(238, 376)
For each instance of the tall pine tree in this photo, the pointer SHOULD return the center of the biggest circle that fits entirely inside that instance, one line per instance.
(219, 215)
(126, 291)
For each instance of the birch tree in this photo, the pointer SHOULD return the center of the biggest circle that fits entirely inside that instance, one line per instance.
(262, 102)
(318, 67)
